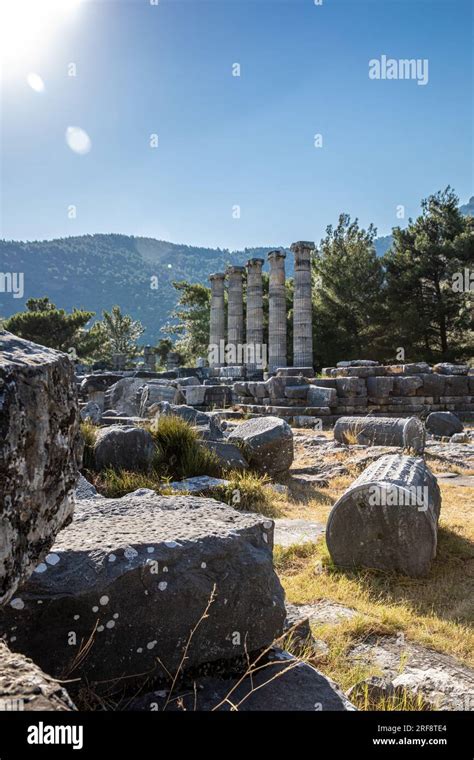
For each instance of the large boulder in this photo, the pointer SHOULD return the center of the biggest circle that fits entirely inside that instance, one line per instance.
(133, 576)
(156, 393)
(125, 396)
(99, 383)
(40, 453)
(228, 454)
(445, 368)
(91, 412)
(23, 685)
(267, 442)
(387, 518)
(282, 684)
(443, 423)
(123, 447)
(320, 396)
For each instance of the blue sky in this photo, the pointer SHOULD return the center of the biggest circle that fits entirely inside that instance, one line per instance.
(227, 141)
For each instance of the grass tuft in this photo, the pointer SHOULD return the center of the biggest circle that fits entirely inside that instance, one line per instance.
(179, 453)
(248, 491)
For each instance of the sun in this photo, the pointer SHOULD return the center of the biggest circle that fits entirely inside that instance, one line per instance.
(27, 26)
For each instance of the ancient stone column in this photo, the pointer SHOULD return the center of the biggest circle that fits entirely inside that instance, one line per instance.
(387, 518)
(217, 321)
(302, 306)
(408, 433)
(235, 314)
(277, 311)
(149, 358)
(254, 338)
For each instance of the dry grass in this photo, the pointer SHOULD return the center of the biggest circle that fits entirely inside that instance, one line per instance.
(249, 491)
(436, 611)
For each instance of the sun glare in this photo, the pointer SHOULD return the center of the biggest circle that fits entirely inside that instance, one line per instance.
(28, 26)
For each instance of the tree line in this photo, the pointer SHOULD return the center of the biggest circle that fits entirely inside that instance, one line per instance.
(416, 302)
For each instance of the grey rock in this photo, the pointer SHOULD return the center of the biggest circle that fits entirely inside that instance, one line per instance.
(123, 396)
(40, 454)
(110, 413)
(268, 443)
(154, 393)
(91, 412)
(407, 386)
(275, 386)
(319, 396)
(439, 679)
(387, 518)
(294, 372)
(304, 421)
(99, 383)
(350, 386)
(296, 531)
(297, 391)
(416, 368)
(228, 454)
(373, 690)
(123, 447)
(457, 385)
(136, 574)
(188, 413)
(460, 438)
(358, 363)
(407, 433)
(322, 612)
(188, 381)
(443, 423)
(195, 395)
(433, 384)
(85, 490)
(23, 686)
(257, 389)
(300, 688)
(445, 368)
(380, 386)
(198, 484)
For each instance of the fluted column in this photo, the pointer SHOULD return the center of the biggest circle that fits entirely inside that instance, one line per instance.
(235, 313)
(254, 338)
(277, 311)
(217, 321)
(302, 305)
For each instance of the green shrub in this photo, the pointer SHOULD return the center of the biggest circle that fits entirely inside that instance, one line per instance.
(179, 453)
(115, 483)
(89, 433)
(249, 492)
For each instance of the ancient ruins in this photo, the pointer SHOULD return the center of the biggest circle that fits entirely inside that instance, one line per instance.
(175, 574)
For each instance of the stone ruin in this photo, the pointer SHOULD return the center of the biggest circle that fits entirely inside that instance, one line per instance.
(251, 362)
(101, 590)
(359, 388)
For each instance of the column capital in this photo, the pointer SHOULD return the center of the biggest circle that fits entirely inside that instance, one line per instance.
(255, 263)
(275, 255)
(234, 269)
(302, 246)
(217, 276)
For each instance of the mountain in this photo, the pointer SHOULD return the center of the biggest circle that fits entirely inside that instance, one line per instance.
(468, 208)
(95, 272)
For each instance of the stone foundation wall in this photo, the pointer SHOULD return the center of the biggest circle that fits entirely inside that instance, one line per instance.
(361, 389)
